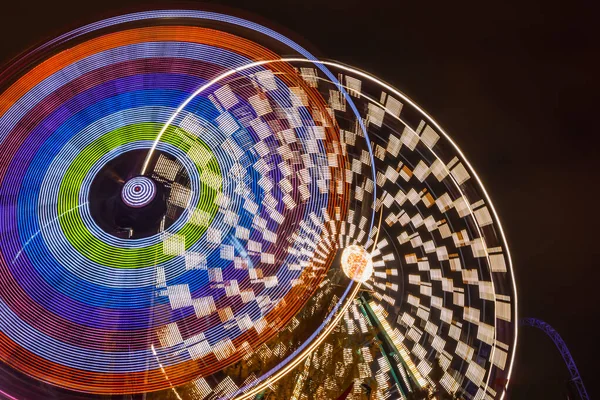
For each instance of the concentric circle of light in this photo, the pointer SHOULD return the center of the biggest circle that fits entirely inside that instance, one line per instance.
(138, 192)
(223, 278)
(357, 263)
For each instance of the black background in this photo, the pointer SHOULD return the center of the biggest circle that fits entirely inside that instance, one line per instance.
(516, 86)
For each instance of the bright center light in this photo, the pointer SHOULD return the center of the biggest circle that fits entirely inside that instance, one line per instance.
(357, 263)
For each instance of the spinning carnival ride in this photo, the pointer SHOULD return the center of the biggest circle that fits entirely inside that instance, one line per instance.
(194, 206)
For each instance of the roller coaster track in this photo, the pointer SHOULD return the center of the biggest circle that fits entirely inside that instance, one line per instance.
(564, 352)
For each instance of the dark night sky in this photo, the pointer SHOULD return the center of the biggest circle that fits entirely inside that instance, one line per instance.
(517, 88)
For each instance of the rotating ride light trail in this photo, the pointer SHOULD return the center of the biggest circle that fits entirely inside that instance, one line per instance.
(453, 174)
(257, 171)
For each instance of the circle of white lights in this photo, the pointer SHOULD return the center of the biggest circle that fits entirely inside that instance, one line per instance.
(357, 263)
(138, 192)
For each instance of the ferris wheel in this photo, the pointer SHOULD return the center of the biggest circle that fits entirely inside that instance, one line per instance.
(196, 207)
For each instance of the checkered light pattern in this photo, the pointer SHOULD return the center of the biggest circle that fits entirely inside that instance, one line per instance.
(442, 287)
(442, 290)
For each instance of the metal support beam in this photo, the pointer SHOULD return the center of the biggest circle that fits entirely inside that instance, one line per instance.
(564, 352)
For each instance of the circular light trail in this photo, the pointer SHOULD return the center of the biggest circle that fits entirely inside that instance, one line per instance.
(138, 192)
